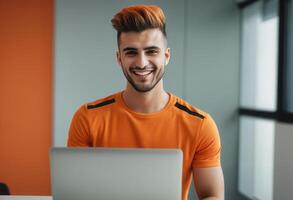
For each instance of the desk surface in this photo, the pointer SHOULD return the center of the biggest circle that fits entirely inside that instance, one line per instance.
(19, 197)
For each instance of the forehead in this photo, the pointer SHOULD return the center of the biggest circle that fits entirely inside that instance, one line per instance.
(149, 37)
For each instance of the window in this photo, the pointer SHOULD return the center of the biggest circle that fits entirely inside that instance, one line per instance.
(259, 61)
(266, 93)
(256, 157)
(266, 61)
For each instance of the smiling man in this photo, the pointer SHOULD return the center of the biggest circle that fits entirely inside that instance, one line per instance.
(144, 115)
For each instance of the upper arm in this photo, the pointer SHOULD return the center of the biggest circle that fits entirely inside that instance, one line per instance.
(208, 145)
(207, 171)
(209, 182)
(79, 133)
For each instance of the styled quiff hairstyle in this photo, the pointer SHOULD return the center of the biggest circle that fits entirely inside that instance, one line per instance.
(138, 18)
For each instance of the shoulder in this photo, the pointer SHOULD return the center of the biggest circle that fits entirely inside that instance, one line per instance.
(185, 108)
(103, 102)
(205, 119)
(98, 105)
(204, 125)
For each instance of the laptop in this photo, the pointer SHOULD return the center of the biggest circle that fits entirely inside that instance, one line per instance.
(116, 174)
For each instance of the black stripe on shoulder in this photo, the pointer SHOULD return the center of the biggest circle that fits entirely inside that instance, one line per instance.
(104, 103)
(184, 108)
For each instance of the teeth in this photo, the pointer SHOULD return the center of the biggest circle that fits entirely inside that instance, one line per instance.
(143, 73)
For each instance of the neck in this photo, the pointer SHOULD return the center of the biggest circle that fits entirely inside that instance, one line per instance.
(146, 102)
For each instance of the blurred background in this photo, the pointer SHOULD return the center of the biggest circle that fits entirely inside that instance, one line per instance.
(231, 58)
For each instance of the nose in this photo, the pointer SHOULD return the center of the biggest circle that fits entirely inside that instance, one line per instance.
(142, 60)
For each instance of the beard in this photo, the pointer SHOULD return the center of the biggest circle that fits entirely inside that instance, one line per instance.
(141, 85)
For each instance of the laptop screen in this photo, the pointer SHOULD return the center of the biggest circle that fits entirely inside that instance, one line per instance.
(103, 173)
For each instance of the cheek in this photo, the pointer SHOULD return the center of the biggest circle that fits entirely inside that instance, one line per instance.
(126, 62)
(157, 60)
(160, 62)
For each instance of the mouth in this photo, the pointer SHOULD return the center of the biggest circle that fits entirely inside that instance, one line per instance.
(143, 73)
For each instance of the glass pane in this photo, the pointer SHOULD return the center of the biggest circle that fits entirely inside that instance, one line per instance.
(256, 158)
(259, 56)
(289, 61)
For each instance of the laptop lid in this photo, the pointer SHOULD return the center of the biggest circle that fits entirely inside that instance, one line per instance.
(110, 174)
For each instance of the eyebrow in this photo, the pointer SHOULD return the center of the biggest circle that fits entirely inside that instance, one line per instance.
(135, 49)
(129, 49)
(151, 47)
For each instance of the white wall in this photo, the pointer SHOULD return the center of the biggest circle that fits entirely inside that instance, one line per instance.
(283, 168)
(212, 73)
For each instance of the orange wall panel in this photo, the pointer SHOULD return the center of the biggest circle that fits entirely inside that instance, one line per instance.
(26, 57)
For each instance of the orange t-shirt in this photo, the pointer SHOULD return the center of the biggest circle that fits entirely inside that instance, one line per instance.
(108, 122)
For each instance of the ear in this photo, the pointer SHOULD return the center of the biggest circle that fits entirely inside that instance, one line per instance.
(167, 56)
(118, 57)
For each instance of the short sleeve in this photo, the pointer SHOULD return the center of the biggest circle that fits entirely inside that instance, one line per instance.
(208, 145)
(79, 131)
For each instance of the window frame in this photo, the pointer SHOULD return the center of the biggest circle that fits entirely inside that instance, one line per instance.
(281, 114)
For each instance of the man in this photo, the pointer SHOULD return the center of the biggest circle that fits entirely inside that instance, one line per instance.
(144, 114)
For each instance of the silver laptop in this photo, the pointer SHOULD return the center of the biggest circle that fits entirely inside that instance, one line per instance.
(116, 174)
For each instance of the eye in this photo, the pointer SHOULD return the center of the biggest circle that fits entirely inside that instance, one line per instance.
(152, 52)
